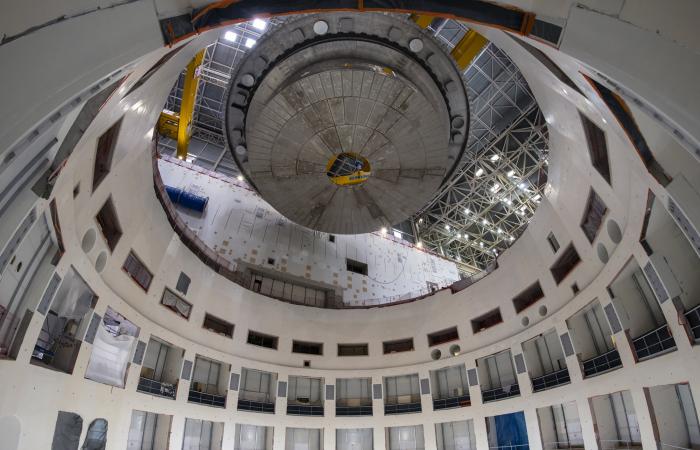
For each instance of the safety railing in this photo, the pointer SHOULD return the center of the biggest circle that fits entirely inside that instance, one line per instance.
(551, 380)
(511, 447)
(499, 393)
(619, 444)
(693, 317)
(304, 410)
(218, 401)
(153, 387)
(601, 364)
(402, 408)
(349, 411)
(562, 445)
(250, 405)
(653, 343)
(663, 446)
(452, 402)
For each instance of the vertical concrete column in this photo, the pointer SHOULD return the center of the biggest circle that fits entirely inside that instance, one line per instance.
(622, 341)
(429, 432)
(588, 427)
(232, 395)
(177, 431)
(329, 404)
(229, 438)
(281, 402)
(379, 438)
(426, 397)
(183, 385)
(481, 435)
(133, 374)
(572, 362)
(279, 435)
(378, 404)
(532, 425)
(524, 382)
(643, 412)
(328, 437)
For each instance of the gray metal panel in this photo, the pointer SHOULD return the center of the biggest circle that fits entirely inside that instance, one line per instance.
(684, 224)
(566, 344)
(49, 293)
(519, 363)
(472, 377)
(282, 389)
(233, 383)
(186, 370)
(425, 386)
(377, 391)
(183, 283)
(330, 392)
(92, 328)
(655, 282)
(614, 321)
(140, 351)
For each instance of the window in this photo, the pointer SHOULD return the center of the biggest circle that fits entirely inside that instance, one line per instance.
(575, 289)
(309, 348)
(331, 238)
(487, 320)
(103, 155)
(440, 337)
(271, 261)
(137, 271)
(400, 345)
(183, 283)
(624, 116)
(565, 264)
(262, 340)
(356, 266)
(353, 350)
(593, 216)
(109, 224)
(217, 325)
(176, 304)
(153, 69)
(552, 239)
(76, 190)
(547, 62)
(597, 147)
(528, 297)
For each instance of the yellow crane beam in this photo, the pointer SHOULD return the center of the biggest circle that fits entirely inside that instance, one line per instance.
(189, 94)
(421, 20)
(467, 48)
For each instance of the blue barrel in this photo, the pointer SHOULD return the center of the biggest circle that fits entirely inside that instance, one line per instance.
(187, 199)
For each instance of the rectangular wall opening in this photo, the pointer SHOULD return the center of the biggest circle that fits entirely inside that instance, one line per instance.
(262, 340)
(528, 297)
(353, 397)
(354, 439)
(405, 438)
(137, 271)
(202, 434)
(216, 325)
(497, 377)
(676, 421)
(560, 426)
(615, 420)
(565, 264)
(592, 340)
(443, 336)
(450, 387)
(160, 371)
(507, 431)
(303, 438)
(109, 224)
(353, 350)
(305, 396)
(257, 391)
(397, 346)
(176, 304)
(104, 153)
(308, 348)
(402, 394)
(593, 216)
(597, 147)
(149, 431)
(209, 382)
(356, 266)
(457, 435)
(253, 437)
(486, 321)
(545, 361)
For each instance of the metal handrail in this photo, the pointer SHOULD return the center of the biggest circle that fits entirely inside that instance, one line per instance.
(653, 343)
(499, 393)
(218, 401)
(451, 402)
(693, 318)
(616, 444)
(249, 405)
(601, 364)
(304, 410)
(404, 408)
(154, 387)
(561, 445)
(512, 446)
(353, 410)
(551, 380)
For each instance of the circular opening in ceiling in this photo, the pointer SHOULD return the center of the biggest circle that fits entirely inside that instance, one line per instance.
(348, 169)
(525, 321)
(436, 354)
(88, 240)
(455, 350)
(542, 311)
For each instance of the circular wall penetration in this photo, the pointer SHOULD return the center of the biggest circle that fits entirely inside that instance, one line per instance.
(373, 96)
(525, 321)
(88, 241)
(614, 231)
(436, 354)
(455, 350)
(542, 310)
(101, 261)
(602, 253)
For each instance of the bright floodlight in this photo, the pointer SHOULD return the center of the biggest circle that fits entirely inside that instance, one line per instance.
(230, 36)
(479, 172)
(259, 24)
(250, 42)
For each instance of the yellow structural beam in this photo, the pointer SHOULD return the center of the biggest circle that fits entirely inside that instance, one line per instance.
(421, 20)
(189, 94)
(467, 48)
(168, 123)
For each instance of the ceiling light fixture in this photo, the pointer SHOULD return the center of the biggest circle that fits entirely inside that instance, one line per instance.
(383, 230)
(479, 172)
(230, 36)
(511, 173)
(259, 24)
(495, 158)
(250, 42)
